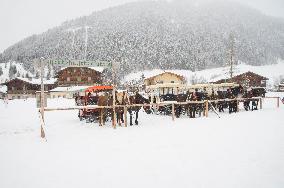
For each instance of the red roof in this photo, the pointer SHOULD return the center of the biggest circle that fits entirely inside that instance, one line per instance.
(98, 88)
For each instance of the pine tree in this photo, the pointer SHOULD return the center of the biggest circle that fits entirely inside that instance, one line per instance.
(37, 75)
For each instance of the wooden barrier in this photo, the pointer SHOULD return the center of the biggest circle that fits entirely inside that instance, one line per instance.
(173, 111)
(125, 116)
(206, 108)
(277, 100)
(172, 103)
(42, 133)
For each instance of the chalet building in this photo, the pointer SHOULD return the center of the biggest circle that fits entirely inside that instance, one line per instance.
(247, 79)
(67, 92)
(72, 76)
(19, 88)
(165, 78)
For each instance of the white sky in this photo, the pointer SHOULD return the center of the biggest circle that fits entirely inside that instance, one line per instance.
(22, 18)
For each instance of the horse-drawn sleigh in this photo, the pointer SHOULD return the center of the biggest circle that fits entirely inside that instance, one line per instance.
(99, 106)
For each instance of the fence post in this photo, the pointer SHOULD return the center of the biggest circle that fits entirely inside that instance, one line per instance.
(125, 116)
(206, 108)
(238, 108)
(260, 103)
(173, 111)
(278, 99)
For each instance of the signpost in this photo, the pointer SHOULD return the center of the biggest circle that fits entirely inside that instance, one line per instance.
(77, 63)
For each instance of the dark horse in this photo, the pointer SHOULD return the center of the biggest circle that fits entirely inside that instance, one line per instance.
(136, 99)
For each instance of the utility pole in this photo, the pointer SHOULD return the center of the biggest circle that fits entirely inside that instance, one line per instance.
(232, 53)
(42, 134)
(113, 96)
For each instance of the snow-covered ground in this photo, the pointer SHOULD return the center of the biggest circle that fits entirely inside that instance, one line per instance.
(211, 75)
(245, 149)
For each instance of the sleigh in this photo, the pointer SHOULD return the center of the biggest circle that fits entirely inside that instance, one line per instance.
(90, 102)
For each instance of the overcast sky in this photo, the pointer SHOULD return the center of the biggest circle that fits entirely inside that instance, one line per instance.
(22, 18)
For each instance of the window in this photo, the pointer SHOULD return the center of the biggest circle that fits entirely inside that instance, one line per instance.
(89, 78)
(68, 79)
(172, 81)
(263, 82)
(74, 70)
(79, 79)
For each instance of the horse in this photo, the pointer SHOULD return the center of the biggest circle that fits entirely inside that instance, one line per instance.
(136, 99)
(104, 100)
(166, 109)
(181, 108)
(121, 98)
(194, 108)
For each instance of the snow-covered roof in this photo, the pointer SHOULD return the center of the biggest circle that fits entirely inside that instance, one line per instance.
(99, 69)
(38, 81)
(69, 89)
(166, 72)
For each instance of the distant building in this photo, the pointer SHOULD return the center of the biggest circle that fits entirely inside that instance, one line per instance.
(72, 76)
(165, 78)
(247, 79)
(67, 92)
(19, 88)
(281, 87)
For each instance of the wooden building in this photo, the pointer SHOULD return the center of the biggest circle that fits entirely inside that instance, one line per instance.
(165, 78)
(247, 79)
(19, 88)
(71, 76)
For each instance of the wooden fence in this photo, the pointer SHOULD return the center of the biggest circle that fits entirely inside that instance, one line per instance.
(172, 103)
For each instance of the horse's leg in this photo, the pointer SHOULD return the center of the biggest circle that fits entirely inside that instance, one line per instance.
(136, 118)
(121, 116)
(130, 114)
(193, 111)
(101, 117)
(104, 116)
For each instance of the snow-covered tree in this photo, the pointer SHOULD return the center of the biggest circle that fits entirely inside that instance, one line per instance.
(12, 71)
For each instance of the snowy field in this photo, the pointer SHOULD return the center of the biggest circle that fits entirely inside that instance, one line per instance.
(244, 150)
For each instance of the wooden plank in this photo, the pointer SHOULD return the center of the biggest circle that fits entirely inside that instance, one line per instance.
(206, 108)
(173, 111)
(125, 116)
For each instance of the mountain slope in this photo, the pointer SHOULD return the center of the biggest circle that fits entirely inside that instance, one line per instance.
(158, 34)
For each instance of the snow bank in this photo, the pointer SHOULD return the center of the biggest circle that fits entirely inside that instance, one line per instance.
(238, 150)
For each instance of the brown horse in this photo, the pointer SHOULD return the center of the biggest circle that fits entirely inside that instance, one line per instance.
(121, 98)
(105, 100)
